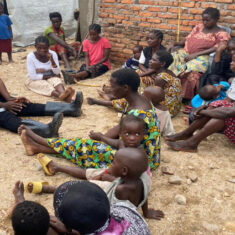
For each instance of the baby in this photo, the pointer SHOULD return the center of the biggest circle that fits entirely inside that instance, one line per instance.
(133, 63)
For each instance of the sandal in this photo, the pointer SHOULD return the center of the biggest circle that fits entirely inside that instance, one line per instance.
(37, 186)
(44, 161)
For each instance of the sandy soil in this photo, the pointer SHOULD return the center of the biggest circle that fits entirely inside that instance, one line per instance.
(210, 201)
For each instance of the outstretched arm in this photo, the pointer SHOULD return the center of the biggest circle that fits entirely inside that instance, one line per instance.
(100, 137)
(151, 213)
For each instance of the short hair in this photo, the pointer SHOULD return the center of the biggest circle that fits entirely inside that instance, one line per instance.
(165, 57)
(157, 34)
(132, 118)
(55, 15)
(30, 218)
(213, 12)
(205, 92)
(42, 39)
(128, 77)
(84, 206)
(95, 27)
(139, 48)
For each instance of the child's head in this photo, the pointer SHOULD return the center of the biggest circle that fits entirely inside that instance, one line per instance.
(1, 8)
(161, 59)
(132, 131)
(56, 19)
(124, 81)
(155, 94)
(137, 51)
(42, 45)
(155, 38)
(94, 31)
(129, 162)
(231, 46)
(209, 92)
(82, 206)
(30, 218)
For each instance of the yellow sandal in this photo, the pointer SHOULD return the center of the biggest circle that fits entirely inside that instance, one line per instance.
(37, 186)
(44, 161)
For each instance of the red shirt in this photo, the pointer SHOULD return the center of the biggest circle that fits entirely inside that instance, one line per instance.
(96, 50)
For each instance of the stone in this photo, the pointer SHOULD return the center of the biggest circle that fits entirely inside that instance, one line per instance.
(166, 170)
(166, 160)
(175, 180)
(188, 181)
(190, 167)
(230, 226)
(231, 180)
(193, 177)
(210, 227)
(180, 199)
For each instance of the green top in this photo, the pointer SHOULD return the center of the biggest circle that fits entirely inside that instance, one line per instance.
(50, 29)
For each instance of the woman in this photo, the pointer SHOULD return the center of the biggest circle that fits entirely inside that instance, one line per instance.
(220, 116)
(165, 79)
(56, 35)
(192, 61)
(154, 41)
(44, 72)
(88, 153)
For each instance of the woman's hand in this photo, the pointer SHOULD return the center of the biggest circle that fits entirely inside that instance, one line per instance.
(22, 100)
(56, 224)
(13, 106)
(154, 214)
(73, 51)
(222, 46)
(190, 57)
(147, 80)
(196, 112)
(96, 135)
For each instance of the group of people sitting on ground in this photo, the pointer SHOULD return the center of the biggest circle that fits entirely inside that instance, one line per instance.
(148, 91)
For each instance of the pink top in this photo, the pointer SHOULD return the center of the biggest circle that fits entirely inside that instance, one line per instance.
(96, 50)
(198, 41)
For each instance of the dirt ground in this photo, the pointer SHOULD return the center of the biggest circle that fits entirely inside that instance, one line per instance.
(210, 206)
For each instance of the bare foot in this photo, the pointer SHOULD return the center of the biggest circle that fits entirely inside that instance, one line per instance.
(23, 127)
(70, 96)
(52, 167)
(64, 95)
(45, 188)
(182, 145)
(18, 193)
(28, 143)
(177, 136)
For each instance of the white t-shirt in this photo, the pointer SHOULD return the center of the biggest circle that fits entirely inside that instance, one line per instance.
(33, 63)
(142, 58)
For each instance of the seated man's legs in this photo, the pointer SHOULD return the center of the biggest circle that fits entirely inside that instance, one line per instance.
(9, 121)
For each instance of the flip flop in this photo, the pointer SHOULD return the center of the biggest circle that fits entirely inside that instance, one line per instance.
(37, 186)
(44, 161)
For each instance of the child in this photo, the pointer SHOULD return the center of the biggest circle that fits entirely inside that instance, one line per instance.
(44, 72)
(28, 217)
(56, 36)
(124, 84)
(210, 93)
(97, 50)
(133, 63)
(123, 181)
(157, 95)
(6, 34)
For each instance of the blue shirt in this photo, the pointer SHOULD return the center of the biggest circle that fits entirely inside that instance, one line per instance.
(5, 22)
(197, 101)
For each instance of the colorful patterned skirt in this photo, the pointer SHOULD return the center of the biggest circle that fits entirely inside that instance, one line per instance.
(85, 153)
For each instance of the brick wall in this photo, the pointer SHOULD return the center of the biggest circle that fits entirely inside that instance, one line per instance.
(127, 22)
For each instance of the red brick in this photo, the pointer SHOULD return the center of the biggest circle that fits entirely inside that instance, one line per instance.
(169, 16)
(112, 1)
(163, 26)
(205, 5)
(154, 9)
(187, 4)
(127, 22)
(231, 7)
(147, 25)
(147, 14)
(135, 8)
(196, 11)
(154, 20)
(145, 2)
(224, 1)
(127, 1)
